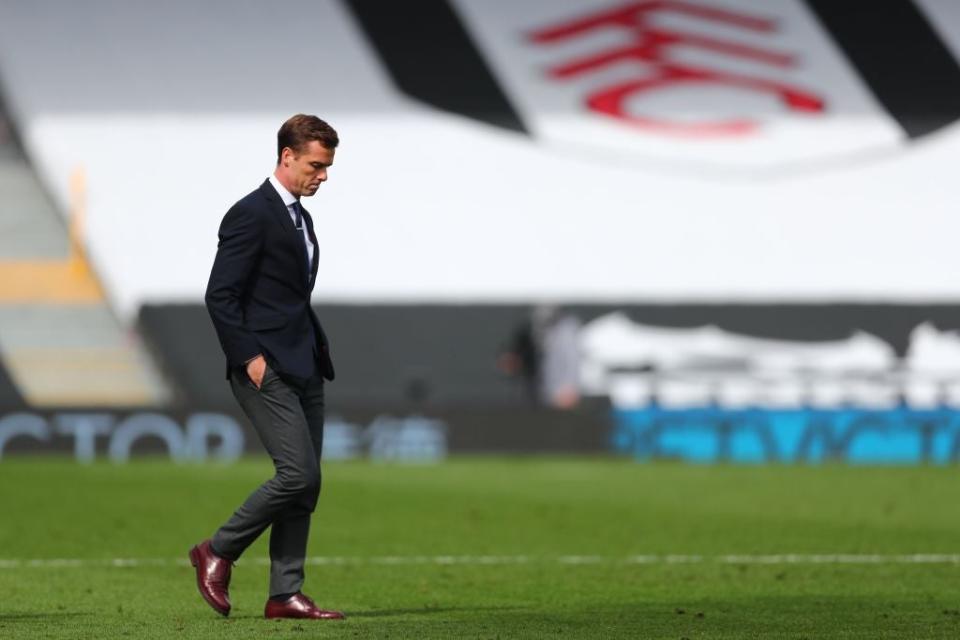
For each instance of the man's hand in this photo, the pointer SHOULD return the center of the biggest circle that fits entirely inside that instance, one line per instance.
(256, 368)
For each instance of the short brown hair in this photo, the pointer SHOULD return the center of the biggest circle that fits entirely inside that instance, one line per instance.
(300, 129)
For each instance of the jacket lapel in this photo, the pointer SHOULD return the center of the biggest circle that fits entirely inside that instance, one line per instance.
(279, 209)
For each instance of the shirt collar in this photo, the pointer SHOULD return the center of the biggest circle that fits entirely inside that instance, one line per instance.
(287, 197)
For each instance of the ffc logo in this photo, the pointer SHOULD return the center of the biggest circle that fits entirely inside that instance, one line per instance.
(706, 84)
(651, 50)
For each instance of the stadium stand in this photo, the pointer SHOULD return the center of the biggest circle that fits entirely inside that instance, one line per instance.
(387, 355)
(435, 206)
(9, 394)
(446, 355)
(63, 344)
(445, 218)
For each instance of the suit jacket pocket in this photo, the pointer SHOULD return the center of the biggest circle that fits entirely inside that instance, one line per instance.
(260, 323)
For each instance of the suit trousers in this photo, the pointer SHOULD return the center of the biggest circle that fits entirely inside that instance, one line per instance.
(287, 414)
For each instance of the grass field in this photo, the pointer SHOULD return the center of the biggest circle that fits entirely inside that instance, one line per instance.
(495, 548)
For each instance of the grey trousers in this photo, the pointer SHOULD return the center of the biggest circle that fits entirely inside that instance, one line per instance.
(288, 417)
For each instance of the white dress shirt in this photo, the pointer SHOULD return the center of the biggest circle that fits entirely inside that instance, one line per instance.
(288, 199)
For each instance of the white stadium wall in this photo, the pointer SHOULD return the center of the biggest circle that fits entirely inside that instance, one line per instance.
(772, 172)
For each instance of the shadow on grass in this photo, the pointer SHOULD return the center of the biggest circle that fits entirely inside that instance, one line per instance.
(13, 617)
(384, 613)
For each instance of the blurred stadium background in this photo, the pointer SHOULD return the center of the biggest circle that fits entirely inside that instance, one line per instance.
(708, 229)
(711, 231)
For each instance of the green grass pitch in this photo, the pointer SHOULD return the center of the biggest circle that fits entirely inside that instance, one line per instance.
(495, 548)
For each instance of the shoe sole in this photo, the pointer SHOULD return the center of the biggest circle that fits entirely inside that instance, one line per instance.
(194, 561)
(304, 617)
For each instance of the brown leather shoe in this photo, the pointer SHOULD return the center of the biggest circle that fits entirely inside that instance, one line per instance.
(213, 577)
(299, 606)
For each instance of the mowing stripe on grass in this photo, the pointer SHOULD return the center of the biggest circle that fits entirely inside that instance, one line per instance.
(772, 559)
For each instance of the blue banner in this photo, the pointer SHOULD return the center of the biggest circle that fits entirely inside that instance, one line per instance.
(853, 435)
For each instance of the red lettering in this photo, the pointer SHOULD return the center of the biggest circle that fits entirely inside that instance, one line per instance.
(634, 15)
(651, 46)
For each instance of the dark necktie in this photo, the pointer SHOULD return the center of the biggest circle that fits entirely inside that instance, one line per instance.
(298, 212)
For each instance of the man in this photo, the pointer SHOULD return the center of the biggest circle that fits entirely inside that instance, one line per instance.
(258, 297)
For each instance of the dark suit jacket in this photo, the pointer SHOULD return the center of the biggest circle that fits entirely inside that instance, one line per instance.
(258, 295)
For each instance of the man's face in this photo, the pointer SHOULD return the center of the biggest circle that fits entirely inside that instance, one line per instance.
(307, 170)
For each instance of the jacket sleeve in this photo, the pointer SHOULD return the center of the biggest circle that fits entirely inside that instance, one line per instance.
(241, 241)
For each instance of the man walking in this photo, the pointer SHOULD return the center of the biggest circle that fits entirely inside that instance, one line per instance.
(277, 354)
